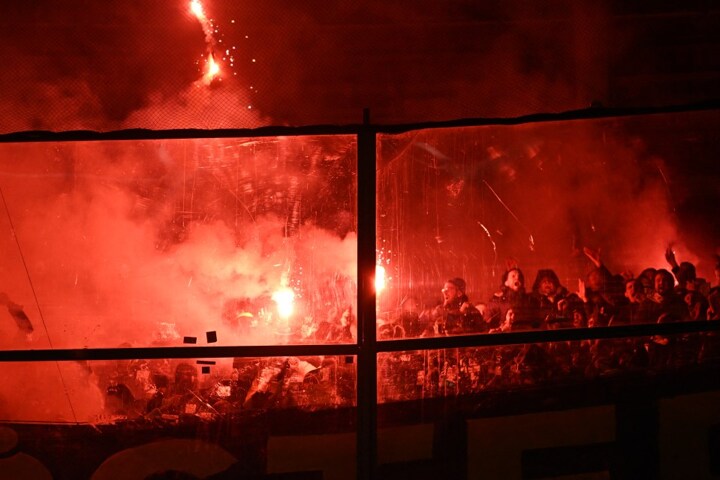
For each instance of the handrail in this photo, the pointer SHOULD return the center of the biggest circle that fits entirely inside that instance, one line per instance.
(430, 343)
(90, 354)
(545, 336)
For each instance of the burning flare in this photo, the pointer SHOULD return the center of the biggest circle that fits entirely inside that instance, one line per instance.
(197, 9)
(379, 278)
(284, 298)
(212, 69)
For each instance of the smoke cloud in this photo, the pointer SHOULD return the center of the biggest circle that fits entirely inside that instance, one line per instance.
(130, 64)
(144, 243)
(463, 202)
(118, 238)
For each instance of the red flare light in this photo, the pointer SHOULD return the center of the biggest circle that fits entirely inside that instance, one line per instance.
(284, 298)
(197, 9)
(212, 69)
(379, 278)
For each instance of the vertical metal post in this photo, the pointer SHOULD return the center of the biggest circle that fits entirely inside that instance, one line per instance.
(367, 355)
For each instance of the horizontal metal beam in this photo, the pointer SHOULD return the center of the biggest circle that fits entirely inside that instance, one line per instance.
(90, 354)
(354, 129)
(544, 336)
(431, 343)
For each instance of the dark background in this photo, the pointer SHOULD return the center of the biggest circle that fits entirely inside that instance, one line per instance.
(109, 65)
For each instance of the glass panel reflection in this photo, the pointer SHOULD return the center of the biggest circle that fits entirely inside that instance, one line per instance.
(159, 243)
(168, 391)
(200, 416)
(416, 375)
(532, 226)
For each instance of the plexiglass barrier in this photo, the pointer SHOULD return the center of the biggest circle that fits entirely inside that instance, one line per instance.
(548, 225)
(159, 392)
(170, 242)
(475, 371)
(134, 418)
(253, 242)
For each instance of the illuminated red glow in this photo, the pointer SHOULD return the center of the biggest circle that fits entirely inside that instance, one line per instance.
(284, 299)
(379, 279)
(197, 9)
(212, 68)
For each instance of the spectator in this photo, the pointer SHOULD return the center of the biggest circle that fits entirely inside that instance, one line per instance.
(602, 291)
(456, 314)
(629, 307)
(546, 297)
(664, 305)
(511, 296)
(684, 272)
(713, 312)
(647, 278)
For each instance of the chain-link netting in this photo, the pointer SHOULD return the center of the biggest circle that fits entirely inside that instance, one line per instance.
(227, 64)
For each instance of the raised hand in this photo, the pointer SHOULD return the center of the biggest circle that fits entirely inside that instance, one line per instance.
(593, 255)
(670, 257)
(581, 290)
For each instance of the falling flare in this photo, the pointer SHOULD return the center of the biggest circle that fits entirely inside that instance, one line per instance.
(212, 69)
(197, 9)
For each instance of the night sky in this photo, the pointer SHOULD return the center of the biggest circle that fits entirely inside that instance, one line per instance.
(110, 65)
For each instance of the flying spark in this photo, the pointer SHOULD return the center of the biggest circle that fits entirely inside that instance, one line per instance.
(487, 232)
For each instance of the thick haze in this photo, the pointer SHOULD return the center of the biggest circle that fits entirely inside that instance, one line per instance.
(108, 244)
(115, 239)
(111, 65)
(462, 202)
(143, 243)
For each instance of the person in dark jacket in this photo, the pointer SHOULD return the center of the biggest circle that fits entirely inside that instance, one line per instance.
(512, 296)
(456, 314)
(546, 297)
(665, 305)
(602, 292)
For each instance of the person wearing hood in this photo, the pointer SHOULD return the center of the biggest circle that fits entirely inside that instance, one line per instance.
(546, 297)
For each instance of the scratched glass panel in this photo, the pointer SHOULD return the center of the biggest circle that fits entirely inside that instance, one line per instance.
(172, 242)
(598, 201)
(507, 370)
(201, 416)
